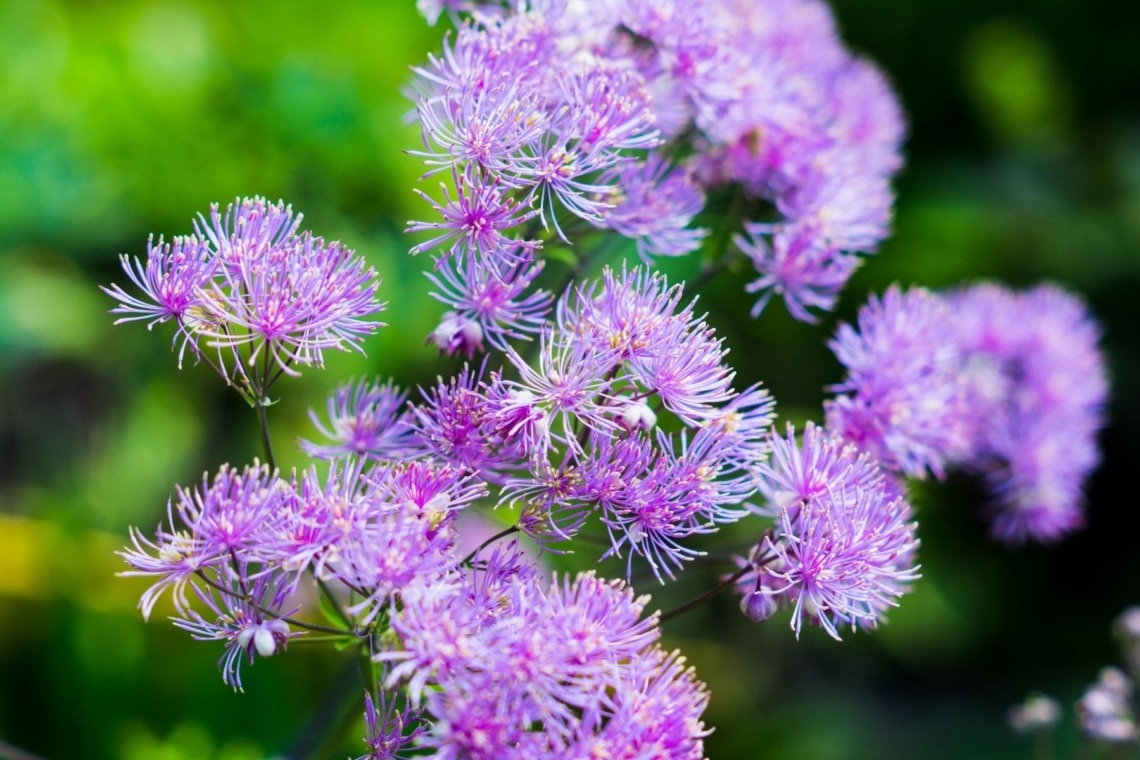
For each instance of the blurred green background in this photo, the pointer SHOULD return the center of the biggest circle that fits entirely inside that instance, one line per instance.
(119, 119)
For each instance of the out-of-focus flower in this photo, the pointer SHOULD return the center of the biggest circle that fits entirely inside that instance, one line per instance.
(1037, 713)
(1037, 388)
(1105, 710)
(902, 399)
(364, 419)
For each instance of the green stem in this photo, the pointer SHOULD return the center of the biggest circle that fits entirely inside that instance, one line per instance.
(263, 428)
(269, 613)
(368, 671)
(501, 534)
(322, 640)
(694, 603)
(342, 617)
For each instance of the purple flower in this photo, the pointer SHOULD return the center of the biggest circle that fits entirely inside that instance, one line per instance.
(292, 302)
(406, 534)
(240, 619)
(841, 560)
(488, 301)
(560, 394)
(365, 419)
(814, 131)
(459, 424)
(476, 220)
(1037, 387)
(171, 280)
(654, 204)
(823, 463)
(266, 297)
(384, 728)
(902, 399)
(216, 522)
(520, 670)
(844, 543)
(793, 264)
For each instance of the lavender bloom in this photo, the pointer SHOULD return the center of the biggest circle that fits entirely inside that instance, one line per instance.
(508, 120)
(563, 389)
(654, 204)
(476, 220)
(663, 687)
(247, 282)
(215, 522)
(365, 419)
(903, 395)
(544, 672)
(844, 544)
(384, 728)
(240, 620)
(690, 68)
(813, 130)
(406, 534)
(794, 266)
(488, 301)
(1037, 387)
(586, 419)
(556, 100)
(823, 463)
(636, 318)
(172, 282)
(459, 424)
(844, 560)
(292, 303)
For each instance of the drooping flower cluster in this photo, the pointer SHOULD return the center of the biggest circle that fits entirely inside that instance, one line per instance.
(251, 294)
(508, 668)
(987, 379)
(1036, 386)
(552, 117)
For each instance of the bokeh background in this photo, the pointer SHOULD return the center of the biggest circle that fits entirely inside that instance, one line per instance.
(121, 119)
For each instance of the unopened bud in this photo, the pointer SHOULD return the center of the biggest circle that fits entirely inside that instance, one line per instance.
(637, 416)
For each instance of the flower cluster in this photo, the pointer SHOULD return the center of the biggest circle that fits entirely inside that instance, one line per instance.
(241, 544)
(575, 431)
(986, 379)
(248, 284)
(508, 668)
(549, 122)
(553, 117)
(1036, 388)
(843, 547)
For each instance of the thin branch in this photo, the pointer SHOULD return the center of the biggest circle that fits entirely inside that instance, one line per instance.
(698, 601)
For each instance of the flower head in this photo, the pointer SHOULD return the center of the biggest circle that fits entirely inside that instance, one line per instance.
(903, 397)
(264, 296)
